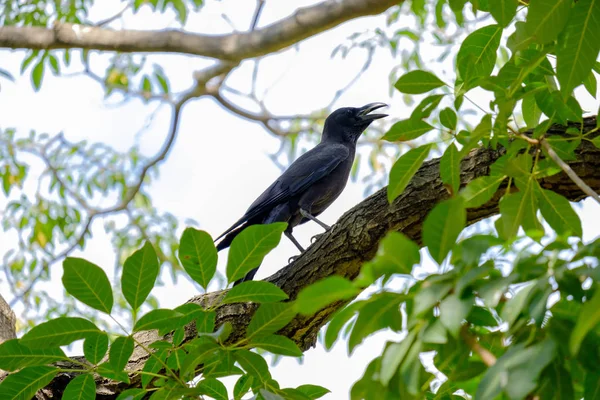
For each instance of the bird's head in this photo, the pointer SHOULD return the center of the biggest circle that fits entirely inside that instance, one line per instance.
(348, 123)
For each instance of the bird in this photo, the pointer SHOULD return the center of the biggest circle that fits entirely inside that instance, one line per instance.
(312, 182)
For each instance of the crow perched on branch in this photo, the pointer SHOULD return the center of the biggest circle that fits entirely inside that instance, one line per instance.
(312, 182)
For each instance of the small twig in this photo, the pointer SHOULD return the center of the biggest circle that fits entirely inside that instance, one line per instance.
(486, 356)
(113, 18)
(567, 169)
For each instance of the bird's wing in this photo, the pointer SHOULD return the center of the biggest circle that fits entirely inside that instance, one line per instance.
(303, 173)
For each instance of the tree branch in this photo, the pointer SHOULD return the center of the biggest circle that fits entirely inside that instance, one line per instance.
(355, 238)
(304, 23)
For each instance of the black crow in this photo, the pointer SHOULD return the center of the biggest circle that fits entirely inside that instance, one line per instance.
(312, 182)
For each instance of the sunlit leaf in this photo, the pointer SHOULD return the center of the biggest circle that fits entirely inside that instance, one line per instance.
(417, 82)
(450, 167)
(578, 46)
(448, 118)
(588, 318)
(14, 355)
(547, 18)
(82, 387)
(442, 226)
(139, 275)
(269, 318)
(407, 129)
(479, 191)
(58, 332)
(558, 212)
(88, 283)
(213, 388)
(255, 291)
(198, 255)
(250, 247)
(404, 169)
(24, 384)
(503, 11)
(277, 344)
(120, 352)
(158, 319)
(313, 391)
(95, 347)
(253, 364)
(322, 293)
(477, 54)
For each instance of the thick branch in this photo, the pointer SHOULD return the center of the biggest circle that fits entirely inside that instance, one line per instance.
(7, 321)
(304, 23)
(356, 236)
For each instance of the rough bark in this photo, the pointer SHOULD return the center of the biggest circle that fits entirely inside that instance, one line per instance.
(355, 238)
(304, 23)
(7, 321)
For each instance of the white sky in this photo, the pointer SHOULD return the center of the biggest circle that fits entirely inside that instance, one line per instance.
(219, 163)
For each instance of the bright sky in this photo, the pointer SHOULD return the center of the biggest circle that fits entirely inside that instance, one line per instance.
(219, 163)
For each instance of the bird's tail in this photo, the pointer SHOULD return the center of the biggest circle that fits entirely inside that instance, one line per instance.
(226, 241)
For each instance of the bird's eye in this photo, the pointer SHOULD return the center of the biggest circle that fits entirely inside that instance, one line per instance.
(348, 112)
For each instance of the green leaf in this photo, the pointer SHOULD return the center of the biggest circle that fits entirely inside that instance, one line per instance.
(450, 167)
(519, 209)
(381, 311)
(58, 332)
(82, 387)
(198, 255)
(139, 275)
(14, 356)
(250, 247)
(479, 191)
(24, 384)
(426, 107)
(503, 11)
(322, 293)
(313, 391)
(95, 347)
(417, 82)
(407, 129)
(547, 18)
(452, 312)
(396, 255)
(591, 84)
(213, 388)
(120, 352)
(277, 344)
(37, 74)
(393, 356)
(404, 169)
(255, 291)
(557, 211)
(530, 110)
(588, 318)
(515, 305)
(242, 386)
(448, 118)
(253, 364)
(162, 319)
(198, 355)
(339, 319)
(592, 385)
(269, 318)
(153, 365)
(88, 283)
(442, 226)
(477, 54)
(578, 46)
(132, 394)
(107, 371)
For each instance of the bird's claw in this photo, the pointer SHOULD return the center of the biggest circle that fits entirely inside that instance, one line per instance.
(316, 237)
(293, 258)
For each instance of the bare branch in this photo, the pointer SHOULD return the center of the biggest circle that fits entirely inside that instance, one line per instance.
(302, 24)
(7, 322)
(569, 171)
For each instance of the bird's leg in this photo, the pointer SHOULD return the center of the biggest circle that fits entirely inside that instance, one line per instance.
(293, 240)
(306, 214)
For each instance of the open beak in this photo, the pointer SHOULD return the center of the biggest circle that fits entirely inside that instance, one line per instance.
(364, 111)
